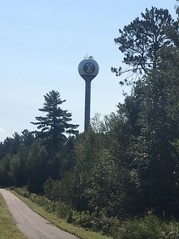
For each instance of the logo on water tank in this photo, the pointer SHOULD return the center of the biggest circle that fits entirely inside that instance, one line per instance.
(89, 68)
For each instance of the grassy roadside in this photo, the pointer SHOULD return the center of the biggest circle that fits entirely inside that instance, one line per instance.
(79, 232)
(8, 229)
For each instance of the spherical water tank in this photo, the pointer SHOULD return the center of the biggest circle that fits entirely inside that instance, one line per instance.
(88, 68)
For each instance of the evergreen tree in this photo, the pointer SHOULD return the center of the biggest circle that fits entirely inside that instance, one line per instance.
(141, 40)
(53, 127)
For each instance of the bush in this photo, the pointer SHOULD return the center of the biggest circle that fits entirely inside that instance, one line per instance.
(172, 231)
(107, 226)
(149, 227)
(23, 192)
(62, 210)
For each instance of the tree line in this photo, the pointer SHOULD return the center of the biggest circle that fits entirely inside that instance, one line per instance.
(128, 162)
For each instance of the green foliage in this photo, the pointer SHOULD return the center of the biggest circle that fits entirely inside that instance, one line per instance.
(5, 178)
(51, 190)
(148, 228)
(12, 145)
(54, 126)
(59, 208)
(36, 167)
(141, 40)
(104, 190)
(150, 113)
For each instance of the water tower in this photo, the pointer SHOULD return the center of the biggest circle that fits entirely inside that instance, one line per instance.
(88, 70)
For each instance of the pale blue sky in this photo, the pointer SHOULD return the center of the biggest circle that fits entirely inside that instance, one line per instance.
(41, 45)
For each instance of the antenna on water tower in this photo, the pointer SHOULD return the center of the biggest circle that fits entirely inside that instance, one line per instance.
(88, 70)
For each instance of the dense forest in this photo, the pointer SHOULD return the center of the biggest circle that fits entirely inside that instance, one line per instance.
(126, 164)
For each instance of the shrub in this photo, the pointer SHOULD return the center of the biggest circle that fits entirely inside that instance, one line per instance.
(172, 231)
(149, 227)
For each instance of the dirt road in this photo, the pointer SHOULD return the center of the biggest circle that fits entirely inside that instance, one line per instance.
(30, 223)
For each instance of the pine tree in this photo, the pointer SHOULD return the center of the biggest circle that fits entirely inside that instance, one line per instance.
(54, 127)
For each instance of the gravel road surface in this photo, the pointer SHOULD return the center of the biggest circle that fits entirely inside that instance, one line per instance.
(30, 223)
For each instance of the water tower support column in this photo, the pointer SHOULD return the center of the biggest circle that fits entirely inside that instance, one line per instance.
(87, 104)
